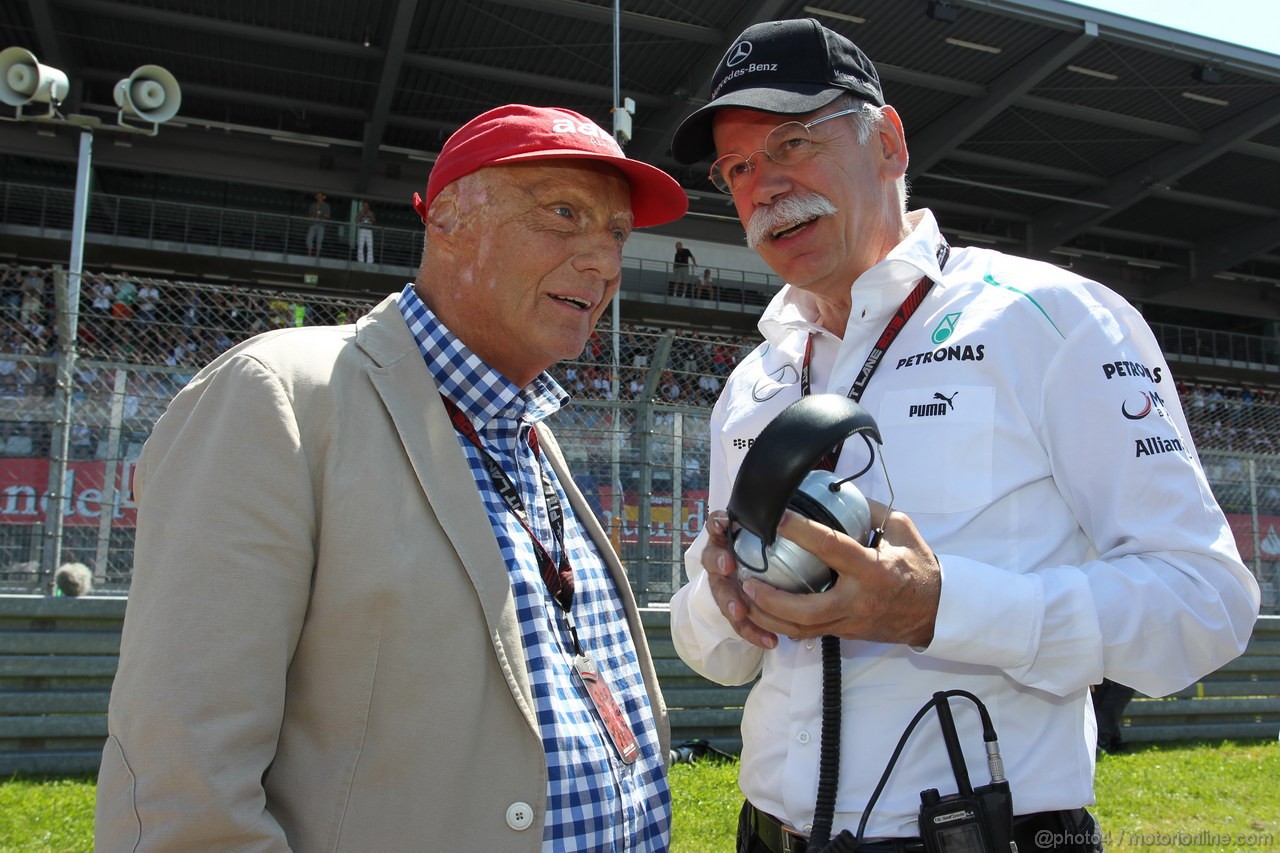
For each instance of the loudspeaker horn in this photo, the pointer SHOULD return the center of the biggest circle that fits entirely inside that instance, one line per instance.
(151, 93)
(23, 79)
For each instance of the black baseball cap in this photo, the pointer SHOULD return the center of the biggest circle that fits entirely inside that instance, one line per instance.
(789, 67)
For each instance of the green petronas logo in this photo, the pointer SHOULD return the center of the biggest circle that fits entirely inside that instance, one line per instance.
(946, 327)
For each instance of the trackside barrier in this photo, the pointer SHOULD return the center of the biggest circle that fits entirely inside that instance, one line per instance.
(58, 658)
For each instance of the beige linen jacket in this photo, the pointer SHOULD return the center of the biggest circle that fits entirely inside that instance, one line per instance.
(321, 650)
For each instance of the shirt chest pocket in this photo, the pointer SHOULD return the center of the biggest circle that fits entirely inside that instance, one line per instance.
(939, 447)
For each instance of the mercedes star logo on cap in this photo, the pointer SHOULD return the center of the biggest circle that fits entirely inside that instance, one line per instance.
(738, 53)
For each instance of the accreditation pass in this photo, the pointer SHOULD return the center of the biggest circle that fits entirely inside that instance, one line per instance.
(598, 689)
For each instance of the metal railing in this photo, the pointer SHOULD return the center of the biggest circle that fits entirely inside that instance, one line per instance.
(1187, 345)
(224, 232)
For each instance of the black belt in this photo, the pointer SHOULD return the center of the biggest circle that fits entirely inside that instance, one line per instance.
(774, 835)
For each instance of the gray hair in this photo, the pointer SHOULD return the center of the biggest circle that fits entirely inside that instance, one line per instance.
(866, 121)
(73, 579)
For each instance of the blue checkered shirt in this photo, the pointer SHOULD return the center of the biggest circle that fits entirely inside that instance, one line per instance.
(594, 801)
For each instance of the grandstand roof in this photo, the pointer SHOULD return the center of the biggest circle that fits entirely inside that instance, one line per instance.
(1145, 156)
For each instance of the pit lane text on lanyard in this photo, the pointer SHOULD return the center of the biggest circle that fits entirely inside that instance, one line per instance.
(896, 324)
(558, 578)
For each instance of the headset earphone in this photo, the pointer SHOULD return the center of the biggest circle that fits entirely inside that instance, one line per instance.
(777, 474)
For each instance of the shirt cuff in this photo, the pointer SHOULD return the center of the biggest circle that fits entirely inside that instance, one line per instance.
(986, 616)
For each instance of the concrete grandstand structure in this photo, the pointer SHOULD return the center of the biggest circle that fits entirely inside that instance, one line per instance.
(1141, 156)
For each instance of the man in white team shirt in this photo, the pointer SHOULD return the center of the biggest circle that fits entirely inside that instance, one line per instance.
(1052, 523)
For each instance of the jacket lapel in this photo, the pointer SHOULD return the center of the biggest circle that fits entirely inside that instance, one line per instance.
(413, 402)
(622, 584)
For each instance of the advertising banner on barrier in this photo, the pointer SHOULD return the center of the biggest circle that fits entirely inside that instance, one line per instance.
(626, 529)
(24, 488)
(1268, 536)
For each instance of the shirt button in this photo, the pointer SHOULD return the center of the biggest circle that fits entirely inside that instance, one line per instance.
(803, 737)
(519, 816)
(808, 644)
(808, 829)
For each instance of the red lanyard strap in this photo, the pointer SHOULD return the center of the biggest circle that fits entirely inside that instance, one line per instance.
(895, 325)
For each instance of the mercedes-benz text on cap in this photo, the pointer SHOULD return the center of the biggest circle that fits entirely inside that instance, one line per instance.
(519, 134)
(788, 67)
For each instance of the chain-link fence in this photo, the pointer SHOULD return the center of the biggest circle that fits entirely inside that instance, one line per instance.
(636, 433)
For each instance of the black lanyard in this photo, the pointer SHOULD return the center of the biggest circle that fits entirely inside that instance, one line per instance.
(557, 578)
(896, 324)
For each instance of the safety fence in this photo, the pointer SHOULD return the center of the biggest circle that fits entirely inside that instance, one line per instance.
(636, 433)
(58, 659)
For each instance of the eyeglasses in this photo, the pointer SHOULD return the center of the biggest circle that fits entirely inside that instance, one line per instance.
(787, 144)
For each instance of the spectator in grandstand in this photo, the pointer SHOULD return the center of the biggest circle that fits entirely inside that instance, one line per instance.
(126, 294)
(39, 335)
(101, 295)
(680, 266)
(669, 387)
(723, 359)
(602, 385)
(709, 388)
(369, 608)
(33, 288)
(122, 310)
(365, 220)
(632, 385)
(9, 364)
(148, 301)
(319, 212)
(11, 288)
(1051, 527)
(23, 378)
(81, 441)
(73, 580)
(706, 288)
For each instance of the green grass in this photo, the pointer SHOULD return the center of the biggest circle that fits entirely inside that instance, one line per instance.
(1167, 795)
(705, 801)
(51, 815)
(1185, 795)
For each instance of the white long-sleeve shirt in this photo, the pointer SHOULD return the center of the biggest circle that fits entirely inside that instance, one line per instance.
(1032, 433)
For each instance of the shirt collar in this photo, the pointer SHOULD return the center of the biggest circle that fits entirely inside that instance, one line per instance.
(481, 392)
(878, 290)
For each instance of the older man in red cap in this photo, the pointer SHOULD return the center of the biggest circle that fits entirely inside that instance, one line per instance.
(370, 610)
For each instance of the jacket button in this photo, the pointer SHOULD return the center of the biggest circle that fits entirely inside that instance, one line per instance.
(519, 815)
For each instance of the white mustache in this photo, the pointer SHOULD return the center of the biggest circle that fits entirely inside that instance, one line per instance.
(790, 211)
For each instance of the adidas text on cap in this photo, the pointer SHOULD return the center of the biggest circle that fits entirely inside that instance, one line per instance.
(519, 134)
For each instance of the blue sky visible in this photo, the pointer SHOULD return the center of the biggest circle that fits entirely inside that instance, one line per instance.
(1251, 23)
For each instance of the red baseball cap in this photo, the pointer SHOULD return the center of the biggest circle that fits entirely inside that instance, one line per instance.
(518, 134)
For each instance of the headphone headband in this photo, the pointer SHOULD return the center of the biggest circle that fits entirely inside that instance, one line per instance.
(785, 451)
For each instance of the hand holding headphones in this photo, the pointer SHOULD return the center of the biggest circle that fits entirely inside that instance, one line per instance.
(838, 574)
(886, 594)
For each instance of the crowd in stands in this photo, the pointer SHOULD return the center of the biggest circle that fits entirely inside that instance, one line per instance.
(178, 327)
(696, 366)
(140, 320)
(1241, 419)
(1244, 421)
(143, 322)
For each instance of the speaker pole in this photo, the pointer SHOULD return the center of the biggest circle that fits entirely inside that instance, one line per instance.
(67, 296)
